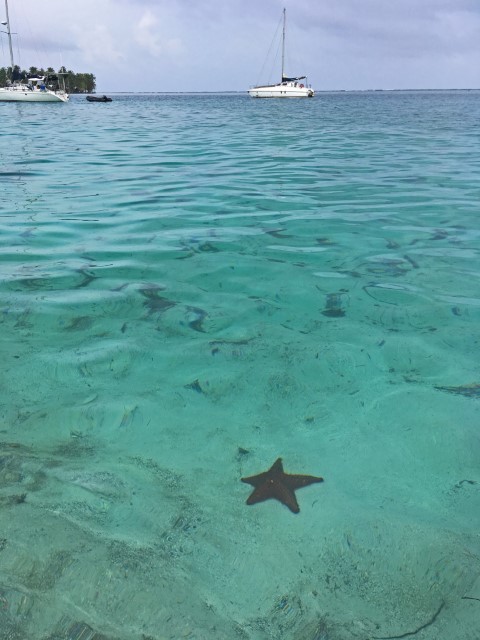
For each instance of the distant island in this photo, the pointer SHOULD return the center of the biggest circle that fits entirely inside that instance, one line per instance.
(74, 82)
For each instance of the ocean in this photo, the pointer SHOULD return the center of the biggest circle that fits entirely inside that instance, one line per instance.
(193, 286)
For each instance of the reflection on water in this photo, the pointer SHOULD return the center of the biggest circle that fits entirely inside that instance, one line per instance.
(194, 286)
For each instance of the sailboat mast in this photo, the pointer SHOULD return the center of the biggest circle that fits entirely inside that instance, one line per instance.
(9, 33)
(283, 41)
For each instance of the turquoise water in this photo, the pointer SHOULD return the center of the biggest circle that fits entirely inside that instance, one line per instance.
(194, 286)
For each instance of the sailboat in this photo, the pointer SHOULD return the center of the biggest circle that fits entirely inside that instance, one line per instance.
(39, 89)
(288, 87)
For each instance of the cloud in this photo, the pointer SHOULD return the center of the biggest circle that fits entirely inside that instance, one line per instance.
(403, 28)
(150, 36)
(97, 43)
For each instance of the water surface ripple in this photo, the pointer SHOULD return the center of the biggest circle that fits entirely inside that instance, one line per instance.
(195, 285)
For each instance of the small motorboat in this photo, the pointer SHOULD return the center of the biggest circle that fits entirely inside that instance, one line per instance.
(99, 99)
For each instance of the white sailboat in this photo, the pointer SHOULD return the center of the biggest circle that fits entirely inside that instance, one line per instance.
(39, 89)
(288, 87)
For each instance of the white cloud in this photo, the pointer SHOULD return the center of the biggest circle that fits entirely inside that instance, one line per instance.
(148, 33)
(97, 43)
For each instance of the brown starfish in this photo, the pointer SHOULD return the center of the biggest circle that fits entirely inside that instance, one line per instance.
(274, 483)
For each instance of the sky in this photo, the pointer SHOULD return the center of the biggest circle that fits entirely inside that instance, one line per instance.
(223, 45)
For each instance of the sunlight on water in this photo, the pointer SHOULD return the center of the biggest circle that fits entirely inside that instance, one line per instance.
(194, 286)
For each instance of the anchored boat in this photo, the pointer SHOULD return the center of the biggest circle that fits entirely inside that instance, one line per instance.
(288, 87)
(38, 89)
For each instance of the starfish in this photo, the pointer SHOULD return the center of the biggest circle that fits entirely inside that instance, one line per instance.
(274, 483)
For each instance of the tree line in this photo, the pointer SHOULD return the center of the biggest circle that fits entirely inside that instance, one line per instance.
(74, 82)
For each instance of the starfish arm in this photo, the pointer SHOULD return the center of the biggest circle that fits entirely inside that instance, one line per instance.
(257, 480)
(297, 482)
(260, 494)
(260, 478)
(276, 491)
(287, 497)
(277, 466)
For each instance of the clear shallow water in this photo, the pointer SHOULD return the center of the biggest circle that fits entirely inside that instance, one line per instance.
(193, 286)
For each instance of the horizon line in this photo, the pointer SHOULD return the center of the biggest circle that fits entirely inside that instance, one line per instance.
(244, 91)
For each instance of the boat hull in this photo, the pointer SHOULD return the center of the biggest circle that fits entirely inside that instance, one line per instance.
(281, 91)
(26, 95)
